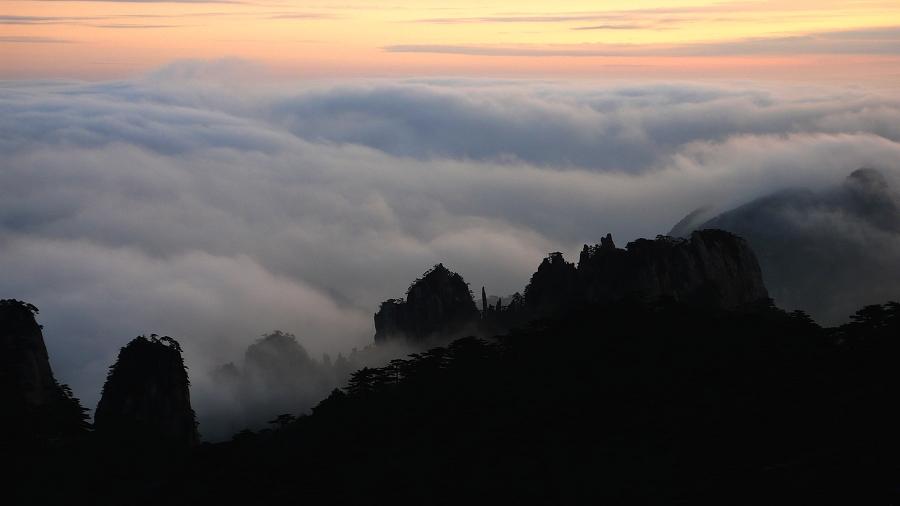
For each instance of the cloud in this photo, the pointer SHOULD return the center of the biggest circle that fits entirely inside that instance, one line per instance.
(613, 27)
(41, 20)
(34, 39)
(748, 10)
(627, 15)
(131, 25)
(525, 18)
(195, 203)
(827, 252)
(155, 1)
(90, 21)
(303, 15)
(876, 41)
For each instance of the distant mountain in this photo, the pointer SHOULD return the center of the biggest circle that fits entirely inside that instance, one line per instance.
(827, 253)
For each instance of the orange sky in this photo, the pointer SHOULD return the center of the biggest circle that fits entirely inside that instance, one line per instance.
(845, 41)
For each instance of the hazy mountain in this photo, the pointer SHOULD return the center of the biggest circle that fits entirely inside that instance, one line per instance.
(826, 252)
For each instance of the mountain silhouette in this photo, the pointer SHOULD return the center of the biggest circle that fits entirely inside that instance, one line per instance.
(147, 394)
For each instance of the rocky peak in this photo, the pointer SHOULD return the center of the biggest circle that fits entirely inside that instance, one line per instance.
(278, 361)
(275, 347)
(25, 363)
(438, 304)
(555, 285)
(33, 406)
(713, 269)
(147, 392)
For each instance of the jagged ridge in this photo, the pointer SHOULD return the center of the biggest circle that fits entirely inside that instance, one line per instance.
(713, 270)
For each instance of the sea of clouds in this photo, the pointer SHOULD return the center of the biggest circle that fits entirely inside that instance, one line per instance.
(194, 203)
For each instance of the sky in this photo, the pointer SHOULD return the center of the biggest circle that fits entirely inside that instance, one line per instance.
(214, 171)
(826, 39)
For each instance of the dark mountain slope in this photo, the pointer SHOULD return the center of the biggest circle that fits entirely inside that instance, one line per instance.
(648, 403)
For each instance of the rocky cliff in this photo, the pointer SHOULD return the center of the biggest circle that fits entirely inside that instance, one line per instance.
(438, 304)
(32, 403)
(25, 362)
(147, 392)
(713, 269)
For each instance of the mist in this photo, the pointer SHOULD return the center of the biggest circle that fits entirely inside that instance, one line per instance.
(193, 203)
(828, 252)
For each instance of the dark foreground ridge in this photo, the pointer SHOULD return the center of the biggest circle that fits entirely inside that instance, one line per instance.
(632, 402)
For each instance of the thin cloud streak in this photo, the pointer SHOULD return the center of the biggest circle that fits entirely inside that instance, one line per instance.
(742, 8)
(614, 27)
(153, 1)
(302, 15)
(37, 40)
(126, 26)
(878, 41)
(45, 20)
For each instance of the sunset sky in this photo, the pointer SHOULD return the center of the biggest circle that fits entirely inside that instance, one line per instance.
(825, 39)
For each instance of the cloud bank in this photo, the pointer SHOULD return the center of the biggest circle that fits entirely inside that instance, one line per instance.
(193, 203)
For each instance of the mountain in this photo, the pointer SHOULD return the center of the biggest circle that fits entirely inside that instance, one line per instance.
(714, 270)
(438, 304)
(34, 405)
(147, 394)
(826, 252)
(276, 376)
(632, 402)
(26, 363)
(646, 384)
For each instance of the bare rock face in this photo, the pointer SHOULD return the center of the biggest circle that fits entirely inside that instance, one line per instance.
(712, 269)
(438, 304)
(147, 393)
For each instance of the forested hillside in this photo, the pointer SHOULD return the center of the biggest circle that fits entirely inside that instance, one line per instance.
(632, 402)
